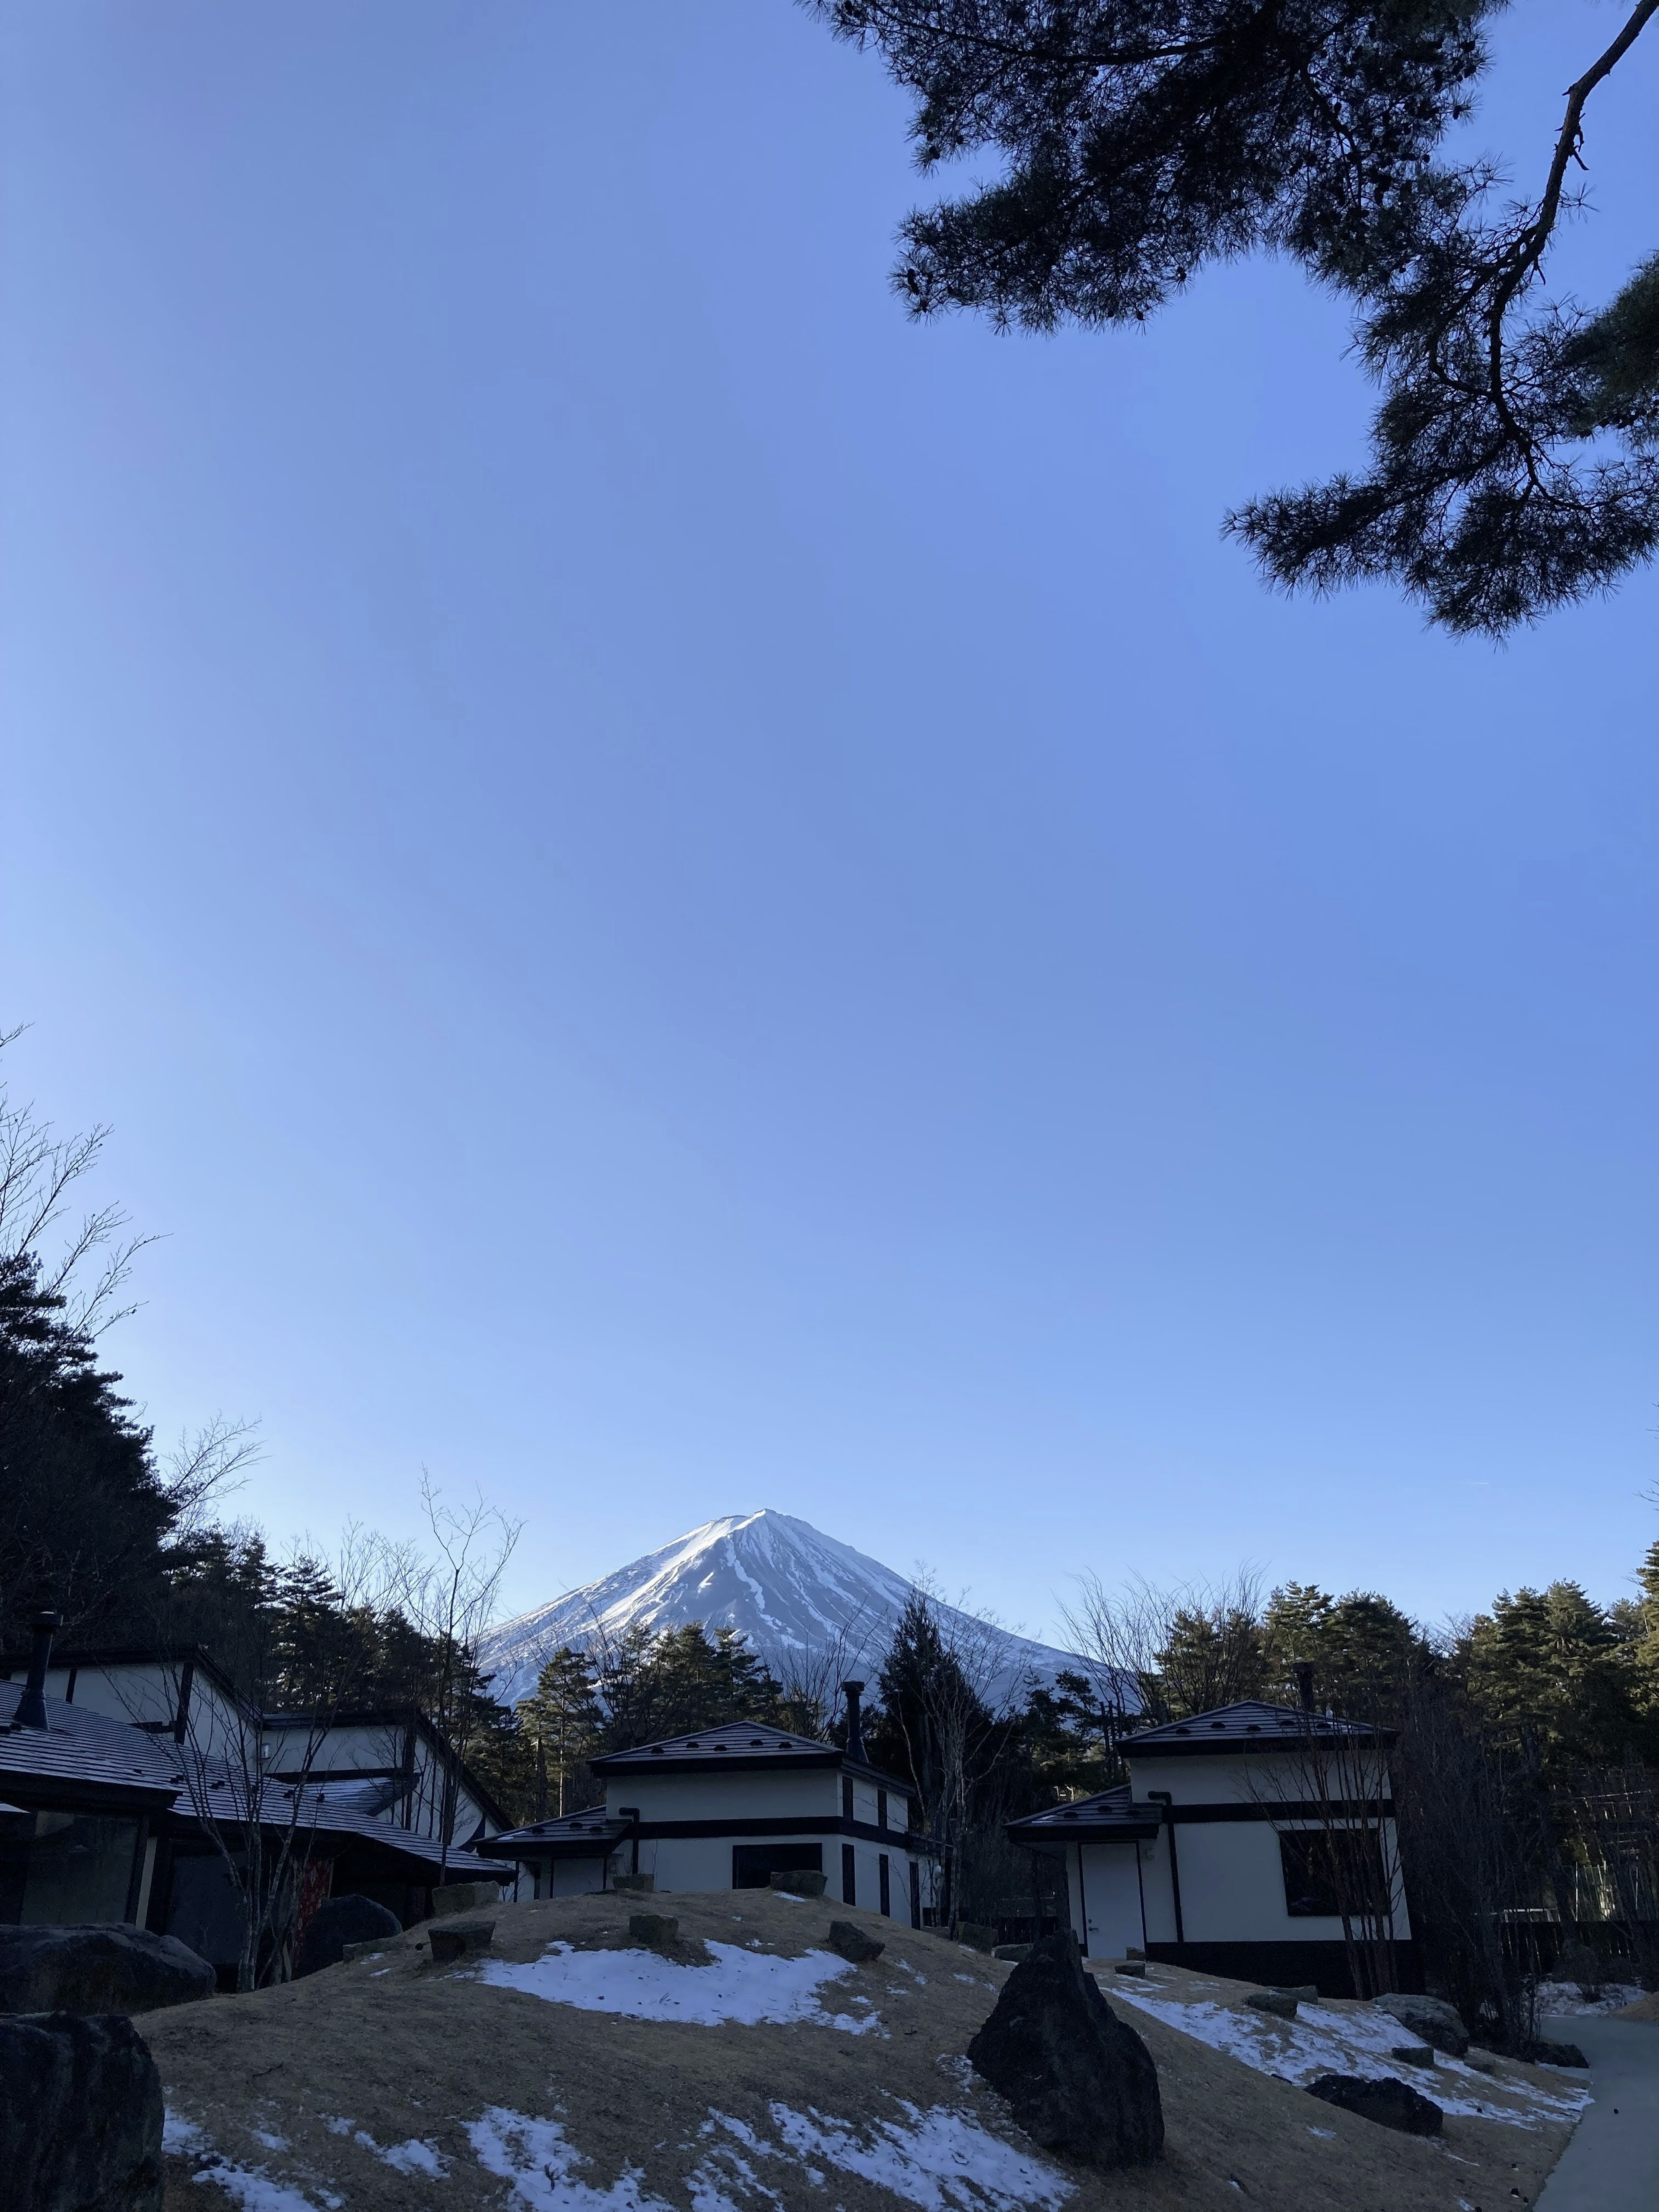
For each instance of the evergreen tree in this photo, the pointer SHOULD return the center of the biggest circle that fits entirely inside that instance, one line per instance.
(1642, 1639)
(1212, 1656)
(1516, 453)
(1552, 1677)
(1363, 1649)
(84, 1516)
(564, 1725)
(1068, 1752)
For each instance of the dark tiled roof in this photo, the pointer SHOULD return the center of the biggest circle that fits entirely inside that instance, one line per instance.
(82, 1749)
(751, 1742)
(1109, 1816)
(591, 1833)
(1249, 1725)
(88, 1751)
(743, 1745)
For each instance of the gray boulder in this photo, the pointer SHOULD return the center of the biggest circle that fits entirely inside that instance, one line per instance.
(1281, 2002)
(337, 1921)
(1080, 2080)
(658, 1932)
(802, 1884)
(1431, 2020)
(851, 1941)
(1391, 2104)
(99, 1967)
(79, 2116)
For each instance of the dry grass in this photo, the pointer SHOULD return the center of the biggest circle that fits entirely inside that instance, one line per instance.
(403, 2049)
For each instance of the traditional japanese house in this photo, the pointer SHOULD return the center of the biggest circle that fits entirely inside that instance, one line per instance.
(727, 1808)
(155, 1755)
(1256, 1841)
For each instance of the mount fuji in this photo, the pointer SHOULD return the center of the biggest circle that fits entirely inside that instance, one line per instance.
(812, 1610)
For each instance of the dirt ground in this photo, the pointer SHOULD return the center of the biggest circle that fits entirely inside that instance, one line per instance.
(1643, 2009)
(394, 2050)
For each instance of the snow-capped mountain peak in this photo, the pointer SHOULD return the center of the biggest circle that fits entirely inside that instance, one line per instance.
(812, 1610)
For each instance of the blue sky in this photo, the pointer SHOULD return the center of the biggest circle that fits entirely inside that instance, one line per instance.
(685, 896)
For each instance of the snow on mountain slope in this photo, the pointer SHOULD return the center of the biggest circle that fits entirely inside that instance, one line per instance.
(812, 1610)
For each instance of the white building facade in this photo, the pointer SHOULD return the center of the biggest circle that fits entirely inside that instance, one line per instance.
(1218, 1852)
(728, 1808)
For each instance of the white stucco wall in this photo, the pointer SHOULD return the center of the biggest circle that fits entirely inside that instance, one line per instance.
(789, 1796)
(1232, 1884)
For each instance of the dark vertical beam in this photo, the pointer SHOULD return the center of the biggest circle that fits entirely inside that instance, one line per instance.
(1162, 1797)
(136, 1878)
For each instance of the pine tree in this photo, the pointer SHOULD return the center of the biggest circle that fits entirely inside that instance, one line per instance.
(84, 1516)
(564, 1726)
(1212, 1656)
(1552, 1677)
(1644, 1644)
(1515, 461)
(1363, 1649)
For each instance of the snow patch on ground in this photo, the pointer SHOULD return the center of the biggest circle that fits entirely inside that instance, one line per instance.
(533, 2156)
(940, 2160)
(255, 2190)
(744, 1986)
(179, 2136)
(1322, 2040)
(411, 2157)
(1567, 1999)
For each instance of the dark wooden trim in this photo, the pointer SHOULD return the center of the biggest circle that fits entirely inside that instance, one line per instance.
(53, 1793)
(1347, 1808)
(825, 1759)
(1283, 1964)
(186, 1689)
(806, 1825)
(136, 1879)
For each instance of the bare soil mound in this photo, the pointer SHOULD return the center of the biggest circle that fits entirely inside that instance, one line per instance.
(750, 2070)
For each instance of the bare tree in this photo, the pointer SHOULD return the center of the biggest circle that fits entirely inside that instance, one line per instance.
(811, 1677)
(1343, 1832)
(39, 1171)
(451, 1599)
(961, 1690)
(205, 1466)
(1474, 1842)
(1153, 1654)
(1613, 1812)
(261, 1818)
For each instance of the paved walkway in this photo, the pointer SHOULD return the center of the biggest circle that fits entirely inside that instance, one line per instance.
(1612, 2164)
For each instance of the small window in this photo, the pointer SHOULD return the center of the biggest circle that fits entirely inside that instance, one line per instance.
(884, 1883)
(849, 1874)
(881, 1808)
(847, 1798)
(753, 1865)
(1324, 1871)
(916, 1894)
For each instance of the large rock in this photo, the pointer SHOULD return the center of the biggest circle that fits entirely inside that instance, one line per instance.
(79, 2116)
(99, 1967)
(1391, 2104)
(1080, 2080)
(340, 1921)
(1431, 2020)
(851, 1941)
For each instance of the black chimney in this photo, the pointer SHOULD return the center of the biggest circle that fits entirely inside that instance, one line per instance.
(1304, 1684)
(31, 1705)
(854, 1726)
